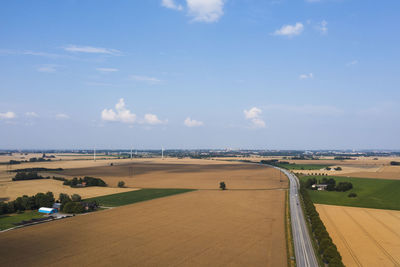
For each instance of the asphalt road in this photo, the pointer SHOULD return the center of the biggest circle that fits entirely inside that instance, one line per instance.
(303, 248)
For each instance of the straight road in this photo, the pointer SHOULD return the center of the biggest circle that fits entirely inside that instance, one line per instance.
(304, 251)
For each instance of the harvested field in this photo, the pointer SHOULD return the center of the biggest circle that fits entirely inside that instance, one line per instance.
(364, 237)
(194, 174)
(201, 228)
(12, 190)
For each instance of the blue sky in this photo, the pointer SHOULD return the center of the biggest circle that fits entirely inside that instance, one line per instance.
(200, 74)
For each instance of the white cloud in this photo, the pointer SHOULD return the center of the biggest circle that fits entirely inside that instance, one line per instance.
(205, 10)
(306, 76)
(31, 114)
(121, 113)
(62, 116)
(47, 68)
(171, 4)
(106, 70)
(145, 79)
(152, 119)
(354, 62)
(8, 115)
(192, 123)
(322, 27)
(91, 49)
(254, 115)
(290, 30)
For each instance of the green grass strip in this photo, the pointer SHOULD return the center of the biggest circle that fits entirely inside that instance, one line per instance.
(131, 197)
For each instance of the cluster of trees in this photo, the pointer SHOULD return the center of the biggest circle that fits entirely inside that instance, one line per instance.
(395, 163)
(38, 159)
(121, 184)
(74, 204)
(83, 182)
(27, 203)
(327, 250)
(19, 176)
(331, 184)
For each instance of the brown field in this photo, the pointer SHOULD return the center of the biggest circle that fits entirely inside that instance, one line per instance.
(201, 228)
(364, 237)
(196, 174)
(12, 190)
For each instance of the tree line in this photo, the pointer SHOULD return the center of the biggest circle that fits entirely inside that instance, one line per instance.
(326, 248)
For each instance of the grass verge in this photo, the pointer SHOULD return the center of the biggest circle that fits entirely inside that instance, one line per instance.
(291, 258)
(131, 197)
(7, 221)
(371, 193)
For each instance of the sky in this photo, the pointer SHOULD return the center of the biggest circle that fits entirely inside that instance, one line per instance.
(187, 74)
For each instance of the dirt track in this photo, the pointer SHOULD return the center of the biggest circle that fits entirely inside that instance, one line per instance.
(364, 237)
(201, 228)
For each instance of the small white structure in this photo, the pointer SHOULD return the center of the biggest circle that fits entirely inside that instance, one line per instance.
(319, 187)
(48, 210)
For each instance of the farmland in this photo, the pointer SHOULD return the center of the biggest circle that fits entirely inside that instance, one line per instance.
(243, 225)
(364, 237)
(191, 174)
(206, 227)
(371, 193)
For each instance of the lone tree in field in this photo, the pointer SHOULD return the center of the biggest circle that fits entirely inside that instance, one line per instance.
(121, 184)
(222, 185)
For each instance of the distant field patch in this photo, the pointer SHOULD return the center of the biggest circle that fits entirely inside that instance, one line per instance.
(7, 221)
(131, 197)
(371, 193)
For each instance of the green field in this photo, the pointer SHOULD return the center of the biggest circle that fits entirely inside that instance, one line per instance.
(130, 197)
(8, 220)
(302, 166)
(371, 193)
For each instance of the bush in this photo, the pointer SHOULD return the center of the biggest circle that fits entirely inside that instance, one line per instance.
(121, 184)
(394, 163)
(352, 195)
(222, 185)
(338, 169)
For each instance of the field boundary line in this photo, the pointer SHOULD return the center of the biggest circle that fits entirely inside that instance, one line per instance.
(394, 216)
(352, 254)
(381, 223)
(393, 260)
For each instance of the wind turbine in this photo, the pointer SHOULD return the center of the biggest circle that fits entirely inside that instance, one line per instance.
(94, 154)
(131, 153)
(162, 152)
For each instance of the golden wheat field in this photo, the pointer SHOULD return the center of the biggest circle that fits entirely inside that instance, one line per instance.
(12, 190)
(364, 237)
(200, 228)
